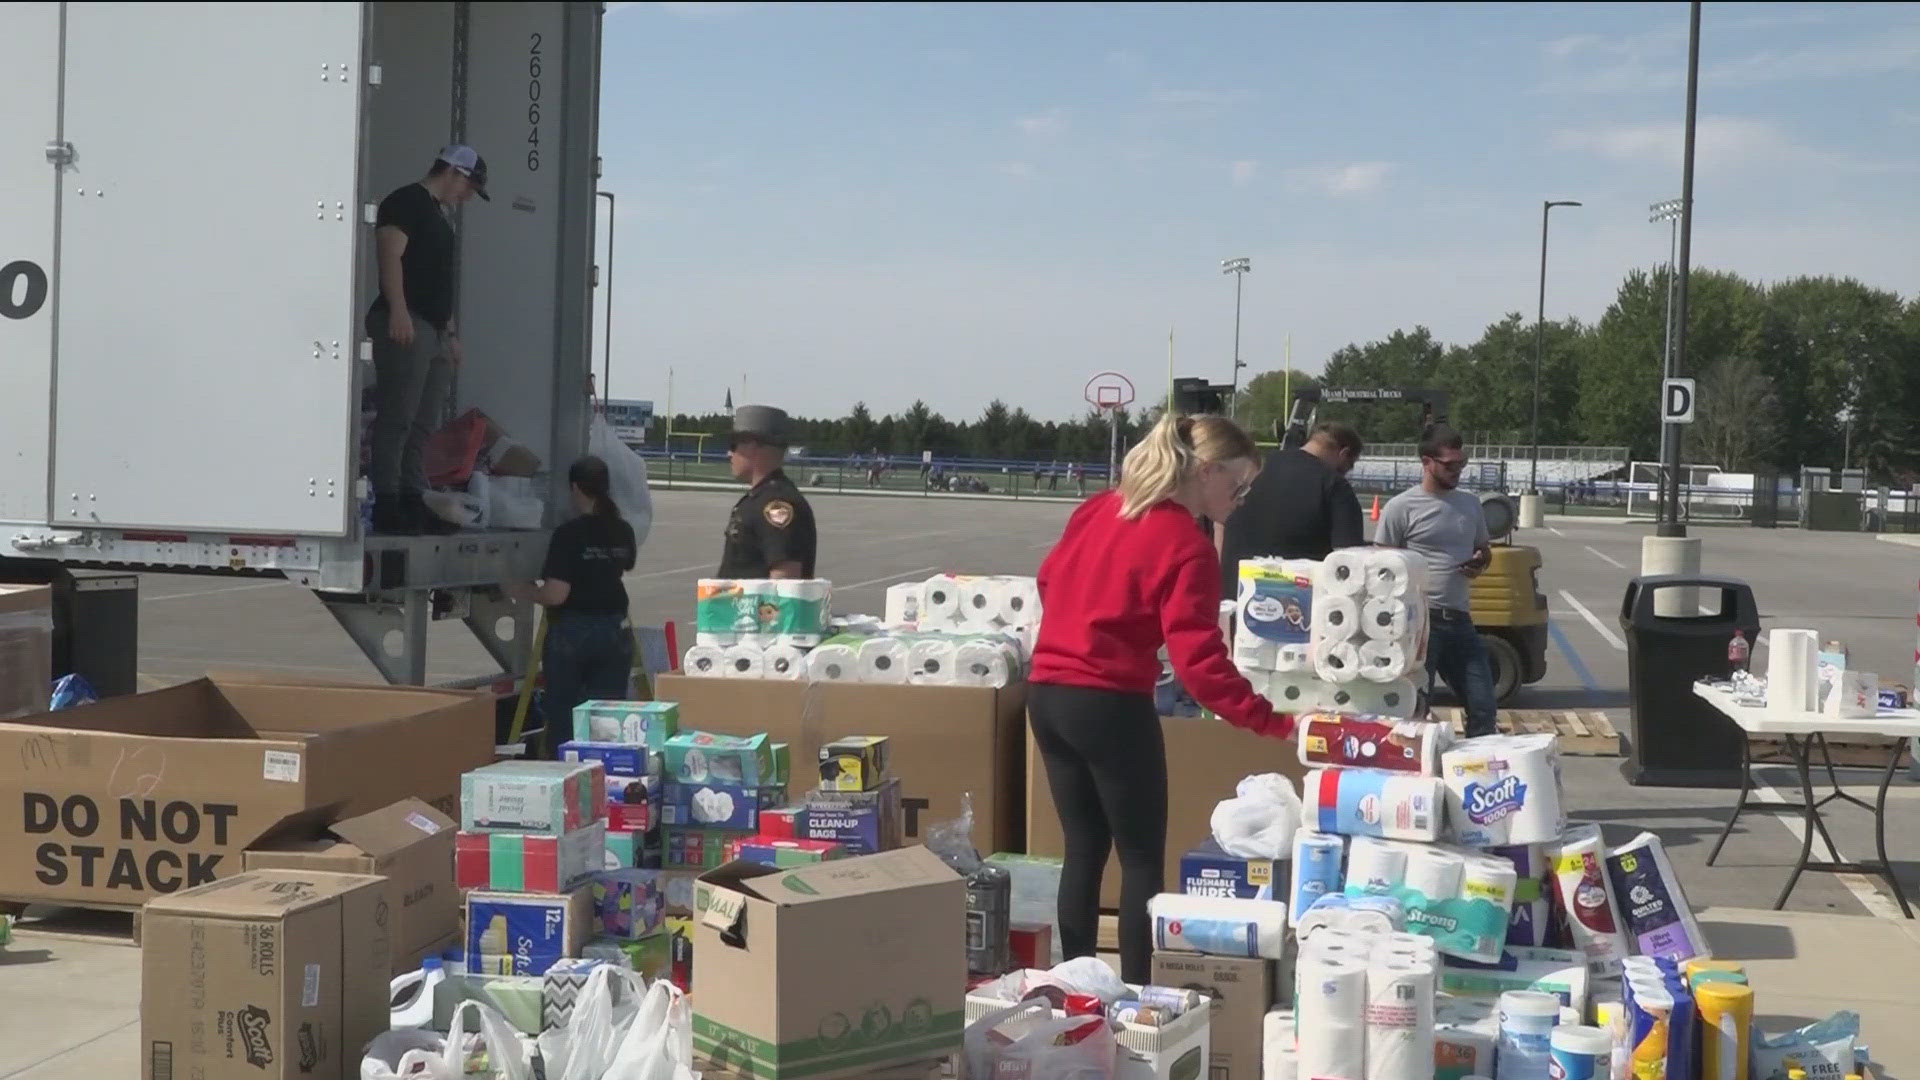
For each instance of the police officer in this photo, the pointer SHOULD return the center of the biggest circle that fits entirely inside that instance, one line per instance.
(771, 532)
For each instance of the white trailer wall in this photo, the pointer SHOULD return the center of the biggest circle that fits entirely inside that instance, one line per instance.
(30, 55)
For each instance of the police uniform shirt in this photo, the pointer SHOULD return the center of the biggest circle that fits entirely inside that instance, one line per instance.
(770, 525)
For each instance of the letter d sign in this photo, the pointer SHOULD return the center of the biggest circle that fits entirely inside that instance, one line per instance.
(1676, 401)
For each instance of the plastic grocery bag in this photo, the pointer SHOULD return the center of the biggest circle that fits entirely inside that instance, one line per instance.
(1260, 820)
(628, 472)
(419, 1054)
(1020, 1044)
(659, 1041)
(648, 1036)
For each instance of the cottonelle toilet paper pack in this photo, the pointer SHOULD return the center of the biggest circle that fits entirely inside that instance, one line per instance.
(1504, 790)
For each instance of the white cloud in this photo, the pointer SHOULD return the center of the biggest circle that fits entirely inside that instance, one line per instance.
(1357, 178)
(1199, 97)
(1244, 172)
(1895, 51)
(709, 10)
(1047, 124)
(1656, 61)
(1720, 142)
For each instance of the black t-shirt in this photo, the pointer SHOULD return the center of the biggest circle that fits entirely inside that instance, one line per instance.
(590, 553)
(771, 524)
(426, 267)
(1299, 508)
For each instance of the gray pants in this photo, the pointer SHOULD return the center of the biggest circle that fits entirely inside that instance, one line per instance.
(408, 400)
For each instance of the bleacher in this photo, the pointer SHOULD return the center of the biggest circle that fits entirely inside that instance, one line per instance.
(1392, 466)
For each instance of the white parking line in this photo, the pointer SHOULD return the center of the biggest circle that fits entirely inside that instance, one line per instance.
(1598, 626)
(1559, 534)
(1863, 888)
(1605, 558)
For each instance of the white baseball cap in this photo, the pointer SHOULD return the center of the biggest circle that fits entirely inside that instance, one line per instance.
(467, 161)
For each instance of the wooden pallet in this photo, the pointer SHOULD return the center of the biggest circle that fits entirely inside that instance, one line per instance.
(105, 922)
(1583, 733)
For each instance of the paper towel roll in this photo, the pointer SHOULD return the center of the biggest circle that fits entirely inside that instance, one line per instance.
(1293, 693)
(1316, 869)
(1343, 573)
(1387, 618)
(984, 663)
(1335, 618)
(1330, 1013)
(980, 602)
(1278, 1058)
(1374, 867)
(785, 662)
(1504, 789)
(1017, 601)
(1219, 925)
(1371, 802)
(1433, 873)
(833, 663)
(883, 660)
(1395, 572)
(1659, 921)
(1356, 740)
(1336, 661)
(743, 662)
(1586, 897)
(1399, 698)
(1399, 1020)
(1293, 657)
(942, 602)
(704, 660)
(1384, 661)
(1527, 1020)
(932, 662)
(1793, 671)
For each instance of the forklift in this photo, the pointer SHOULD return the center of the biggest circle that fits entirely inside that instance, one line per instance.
(1508, 607)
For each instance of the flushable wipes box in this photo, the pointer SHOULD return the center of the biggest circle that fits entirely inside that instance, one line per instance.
(408, 843)
(280, 974)
(834, 970)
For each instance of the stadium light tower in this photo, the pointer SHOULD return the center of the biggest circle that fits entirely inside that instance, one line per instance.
(1540, 339)
(1238, 268)
(1668, 211)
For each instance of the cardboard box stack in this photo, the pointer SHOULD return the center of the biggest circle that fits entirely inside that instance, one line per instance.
(532, 836)
(856, 809)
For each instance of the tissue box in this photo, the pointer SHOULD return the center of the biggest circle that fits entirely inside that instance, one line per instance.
(525, 933)
(628, 903)
(620, 759)
(552, 797)
(723, 806)
(1209, 871)
(626, 848)
(784, 823)
(865, 822)
(855, 763)
(782, 854)
(1893, 697)
(561, 987)
(677, 887)
(638, 723)
(528, 862)
(649, 957)
(695, 849)
(697, 757)
(634, 805)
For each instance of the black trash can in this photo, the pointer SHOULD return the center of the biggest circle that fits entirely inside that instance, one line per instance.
(1677, 739)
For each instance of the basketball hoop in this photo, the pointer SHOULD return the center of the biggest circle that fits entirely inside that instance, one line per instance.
(1109, 391)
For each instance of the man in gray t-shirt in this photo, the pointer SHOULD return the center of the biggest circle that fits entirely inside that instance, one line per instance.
(1445, 527)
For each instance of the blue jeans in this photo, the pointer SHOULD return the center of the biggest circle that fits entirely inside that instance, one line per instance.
(588, 657)
(1456, 654)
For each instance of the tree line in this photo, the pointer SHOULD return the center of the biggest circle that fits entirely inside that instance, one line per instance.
(1812, 371)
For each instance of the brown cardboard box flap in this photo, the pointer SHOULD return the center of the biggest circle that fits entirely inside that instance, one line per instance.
(268, 894)
(392, 829)
(837, 879)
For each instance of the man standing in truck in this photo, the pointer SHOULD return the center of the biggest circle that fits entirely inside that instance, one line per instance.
(415, 348)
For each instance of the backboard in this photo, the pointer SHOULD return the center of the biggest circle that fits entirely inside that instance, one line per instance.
(1109, 390)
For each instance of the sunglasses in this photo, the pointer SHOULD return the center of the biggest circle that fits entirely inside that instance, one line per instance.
(1453, 465)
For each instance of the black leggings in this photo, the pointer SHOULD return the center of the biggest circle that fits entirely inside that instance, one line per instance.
(1107, 765)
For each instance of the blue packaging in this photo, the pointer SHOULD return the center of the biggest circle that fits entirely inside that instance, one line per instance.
(1209, 871)
(619, 759)
(1316, 869)
(526, 933)
(864, 822)
(716, 805)
(1659, 921)
(1275, 605)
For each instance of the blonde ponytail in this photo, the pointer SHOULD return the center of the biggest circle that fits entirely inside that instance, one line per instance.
(1154, 469)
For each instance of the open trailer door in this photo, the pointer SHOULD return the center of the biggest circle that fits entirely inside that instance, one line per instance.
(204, 373)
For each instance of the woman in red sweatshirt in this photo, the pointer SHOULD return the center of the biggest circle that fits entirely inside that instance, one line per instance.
(1131, 572)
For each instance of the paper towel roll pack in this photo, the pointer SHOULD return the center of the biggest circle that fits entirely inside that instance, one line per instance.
(975, 604)
(1340, 913)
(1460, 898)
(1585, 895)
(1343, 740)
(1369, 618)
(1316, 869)
(1659, 921)
(1504, 789)
(1219, 926)
(1399, 1020)
(761, 612)
(1373, 802)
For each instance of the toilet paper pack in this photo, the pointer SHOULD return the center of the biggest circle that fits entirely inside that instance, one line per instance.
(1504, 790)
(526, 933)
(1273, 609)
(1459, 897)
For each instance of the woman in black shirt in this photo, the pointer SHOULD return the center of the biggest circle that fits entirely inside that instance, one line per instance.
(589, 650)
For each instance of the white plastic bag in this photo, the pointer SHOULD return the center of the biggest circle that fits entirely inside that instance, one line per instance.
(659, 1041)
(1019, 1043)
(406, 1054)
(628, 472)
(648, 1036)
(1260, 820)
(418, 1054)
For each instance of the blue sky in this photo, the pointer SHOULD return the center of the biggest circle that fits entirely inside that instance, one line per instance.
(962, 202)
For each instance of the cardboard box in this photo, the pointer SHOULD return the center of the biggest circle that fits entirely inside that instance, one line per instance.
(628, 903)
(131, 797)
(26, 649)
(864, 821)
(552, 797)
(529, 862)
(526, 933)
(408, 843)
(1242, 992)
(717, 805)
(855, 763)
(703, 757)
(637, 723)
(1209, 871)
(274, 973)
(1176, 1050)
(620, 760)
(1205, 759)
(784, 997)
(784, 853)
(946, 741)
(696, 849)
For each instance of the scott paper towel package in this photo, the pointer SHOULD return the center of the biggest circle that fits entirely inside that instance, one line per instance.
(1344, 740)
(1503, 790)
(1460, 898)
(1373, 802)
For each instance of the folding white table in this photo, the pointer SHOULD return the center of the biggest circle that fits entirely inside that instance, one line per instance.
(1801, 732)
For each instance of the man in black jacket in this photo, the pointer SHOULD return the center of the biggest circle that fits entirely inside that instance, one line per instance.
(1301, 506)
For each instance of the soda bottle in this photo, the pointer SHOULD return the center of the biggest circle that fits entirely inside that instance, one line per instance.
(1738, 651)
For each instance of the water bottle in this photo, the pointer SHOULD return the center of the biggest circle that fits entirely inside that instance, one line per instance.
(1738, 652)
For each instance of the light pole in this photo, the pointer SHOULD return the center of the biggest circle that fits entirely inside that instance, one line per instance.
(1668, 211)
(1670, 524)
(1540, 339)
(606, 361)
(1238, 268)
